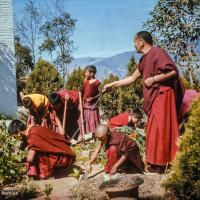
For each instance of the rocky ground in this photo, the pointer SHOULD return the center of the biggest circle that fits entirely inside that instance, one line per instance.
(65, 185)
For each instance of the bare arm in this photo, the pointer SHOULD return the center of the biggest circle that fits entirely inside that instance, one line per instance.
(96, 153)
(159, 78)
(60, 128)
(165, 77)
(126, 81)
(31, 155)
(118, 163)
(21, 94)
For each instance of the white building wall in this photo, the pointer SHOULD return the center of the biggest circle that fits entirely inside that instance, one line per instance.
(8, 96)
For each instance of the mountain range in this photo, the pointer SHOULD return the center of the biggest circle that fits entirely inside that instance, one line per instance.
(116, 64)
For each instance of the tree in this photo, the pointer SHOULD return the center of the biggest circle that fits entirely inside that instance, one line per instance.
(183, 181)
(24, 63)
(175, 25)
(75, 80)
(109, 102)
(131, 96)
(56, 32)
(44, 79)
(124, 98)
(28, 26)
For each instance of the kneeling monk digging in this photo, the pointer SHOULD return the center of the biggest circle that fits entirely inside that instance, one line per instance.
(47, 149)
(122, 152)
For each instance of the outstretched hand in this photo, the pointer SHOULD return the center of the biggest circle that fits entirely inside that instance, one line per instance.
(106, 88)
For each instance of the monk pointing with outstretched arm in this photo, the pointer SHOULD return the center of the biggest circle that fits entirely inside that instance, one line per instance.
(163, 93)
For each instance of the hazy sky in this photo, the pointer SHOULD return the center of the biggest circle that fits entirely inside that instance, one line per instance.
(104, 27)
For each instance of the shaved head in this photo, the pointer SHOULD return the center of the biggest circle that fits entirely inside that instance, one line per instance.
(101, 131)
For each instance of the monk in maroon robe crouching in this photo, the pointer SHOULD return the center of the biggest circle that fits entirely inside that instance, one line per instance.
(47, 149)
(122, 152)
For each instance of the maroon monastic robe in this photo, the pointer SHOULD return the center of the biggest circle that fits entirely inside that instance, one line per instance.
(52, 150)
(119, 144)
(162, 102)
(119, 120)
(72, 112)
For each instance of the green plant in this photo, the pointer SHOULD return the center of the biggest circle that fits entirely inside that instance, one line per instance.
(27, 191)
(48, 190)
(44, 79)
(184, 179)
(76, 173)
(11, 168)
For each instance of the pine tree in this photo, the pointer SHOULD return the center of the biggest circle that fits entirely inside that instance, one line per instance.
(122, 99)
(75, 80)
(44, 79)
(109, 102)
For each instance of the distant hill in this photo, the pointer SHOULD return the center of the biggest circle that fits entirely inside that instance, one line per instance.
(116, 64)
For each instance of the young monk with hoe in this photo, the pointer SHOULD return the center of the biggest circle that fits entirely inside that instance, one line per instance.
(122, 152)
(47, 149)
(56, 108)
(90, 95)
(163, 93)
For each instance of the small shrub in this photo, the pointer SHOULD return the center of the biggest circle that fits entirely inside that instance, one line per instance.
(75, 80)
(183, 182)
(44, 79)
(11, 168)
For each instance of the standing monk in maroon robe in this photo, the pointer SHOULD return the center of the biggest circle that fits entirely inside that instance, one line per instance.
(90, 95)
(163, 93)
(47, 149)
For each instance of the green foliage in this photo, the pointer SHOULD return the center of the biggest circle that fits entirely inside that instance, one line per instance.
(56, 32)
(48, 190)
(195, 78)
(24, 63)
(75, 80)
(76, 173)
(109, 102)
(184, 179)
(186, 83)
(122, 99)
(44, 79)
(175, 24)
(28, 191)
(137, 135)
(22, 191)
(11, 168)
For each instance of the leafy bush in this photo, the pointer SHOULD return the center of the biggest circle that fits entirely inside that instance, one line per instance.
(44, 79)
(184, 179)
(11, 168)
(109, 102)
